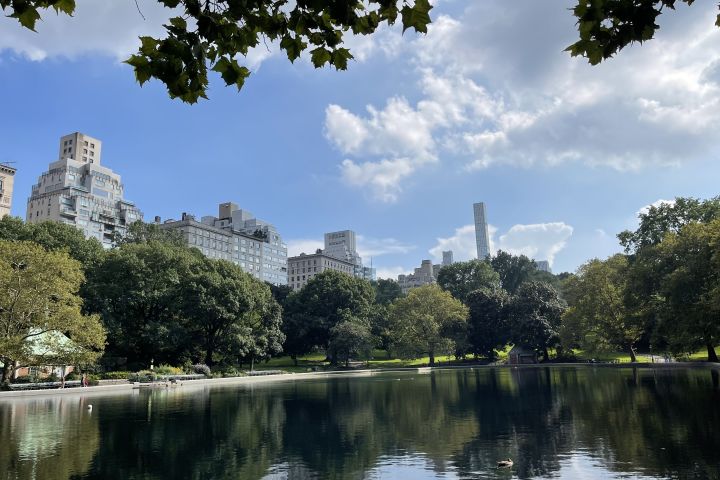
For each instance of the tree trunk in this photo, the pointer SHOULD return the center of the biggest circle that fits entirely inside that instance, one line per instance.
(633, 358)
(712, 356)
(546, 354)
(208, 356)
(432, 359)
(252, 363)
(294, 359)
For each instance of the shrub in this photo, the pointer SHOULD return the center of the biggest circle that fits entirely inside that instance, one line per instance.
(115, 375)
(201, 368)
(72, 376)
(143, 376)
(51, 378)
(25, 379)
(168, 370)
(93, 380)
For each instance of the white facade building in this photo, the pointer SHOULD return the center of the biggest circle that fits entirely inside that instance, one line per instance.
(425, 275)
(447, 258)
(237, 236)
(7, 179)
(343, 246)
(305, 266)
(78, 191)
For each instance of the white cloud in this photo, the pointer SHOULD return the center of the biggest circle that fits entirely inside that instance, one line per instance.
(109, 28)
(375, 247)
(542, 241)
(303, 245)
(488, 96)
(382, 178)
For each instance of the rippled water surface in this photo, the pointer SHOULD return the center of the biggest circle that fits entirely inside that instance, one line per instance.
(554, 422)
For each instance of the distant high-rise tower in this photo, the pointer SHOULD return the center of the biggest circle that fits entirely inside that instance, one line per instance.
(482, 240)
(447, 258)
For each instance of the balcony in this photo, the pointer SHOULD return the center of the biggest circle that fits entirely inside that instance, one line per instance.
(68, 212)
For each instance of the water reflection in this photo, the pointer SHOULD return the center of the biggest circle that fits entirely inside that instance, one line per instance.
(554, 422)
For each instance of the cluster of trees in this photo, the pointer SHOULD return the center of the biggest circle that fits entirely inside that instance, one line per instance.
(66, 300)
(476, 308)
(664, 292)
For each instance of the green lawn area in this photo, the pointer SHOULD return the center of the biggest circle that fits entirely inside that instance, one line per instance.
(316, 361)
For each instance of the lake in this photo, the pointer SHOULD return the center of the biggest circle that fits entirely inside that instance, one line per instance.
(558, 422)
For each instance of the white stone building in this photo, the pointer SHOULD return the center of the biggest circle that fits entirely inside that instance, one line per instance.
(305, 266)
(7, 179)
(236, 235)
(78, 190)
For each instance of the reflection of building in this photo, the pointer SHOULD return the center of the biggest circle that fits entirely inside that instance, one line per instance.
(343, 245)
(236, 235)
(425, 275)
(447, 258)
(482, 239)
(543, 266)
(78, 191)
(305, 266)
(7, 178)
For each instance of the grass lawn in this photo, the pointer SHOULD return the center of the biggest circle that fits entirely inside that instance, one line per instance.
(316, 361)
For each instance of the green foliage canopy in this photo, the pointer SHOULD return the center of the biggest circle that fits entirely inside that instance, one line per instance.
(211, 35)
(607, 26)
(598, 317)
(461, 278)
(428, 321)
(40, 312)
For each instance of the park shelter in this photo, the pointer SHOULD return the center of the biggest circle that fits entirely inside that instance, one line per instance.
(522, 355)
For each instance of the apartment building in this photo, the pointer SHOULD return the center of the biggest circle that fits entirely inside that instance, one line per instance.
(78, 190)
(237, 236)
(305, 266)
(7, 179)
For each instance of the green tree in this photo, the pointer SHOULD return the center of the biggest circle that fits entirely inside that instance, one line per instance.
(40, 312)
(326, 300)
(212, 35)
(534, 314)
(54, 236)
(514, 270)
(461, 278)
(688, 298)
(137, 289)
(350, 339)
(428, 321)
(386, 291)
(488, 327)
(230, 315)
(598, 311)
(665, 218)
(607, 26)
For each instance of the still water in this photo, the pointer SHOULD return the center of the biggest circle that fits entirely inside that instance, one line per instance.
(554, 422)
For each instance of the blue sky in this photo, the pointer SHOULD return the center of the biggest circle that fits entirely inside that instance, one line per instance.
(486, 107)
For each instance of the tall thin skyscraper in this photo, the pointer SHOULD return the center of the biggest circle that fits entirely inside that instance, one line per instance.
(447, 258)
(482, 240)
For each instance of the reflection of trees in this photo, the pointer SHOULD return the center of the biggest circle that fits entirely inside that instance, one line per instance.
(47, 439)
(643, 421)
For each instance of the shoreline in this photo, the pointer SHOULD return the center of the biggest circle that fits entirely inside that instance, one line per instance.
(129, 387)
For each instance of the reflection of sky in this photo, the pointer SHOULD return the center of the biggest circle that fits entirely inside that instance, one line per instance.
(40, 435)
(577, 466)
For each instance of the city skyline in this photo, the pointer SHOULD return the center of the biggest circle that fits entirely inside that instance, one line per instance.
(303, 148)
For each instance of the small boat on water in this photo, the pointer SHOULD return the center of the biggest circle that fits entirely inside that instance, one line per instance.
(505, 463)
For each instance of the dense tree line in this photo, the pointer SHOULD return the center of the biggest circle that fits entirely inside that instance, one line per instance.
(151, 298)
